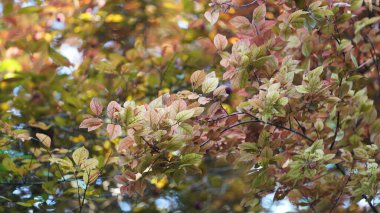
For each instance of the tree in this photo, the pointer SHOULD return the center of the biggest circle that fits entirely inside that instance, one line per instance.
(283, 101)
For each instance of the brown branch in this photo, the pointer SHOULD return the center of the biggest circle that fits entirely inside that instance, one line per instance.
(257, 120)
(243, 5)
(364, 67)
(152, 146)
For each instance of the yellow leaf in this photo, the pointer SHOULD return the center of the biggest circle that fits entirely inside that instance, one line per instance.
(80, 155)
(45, 140)
(89, 164)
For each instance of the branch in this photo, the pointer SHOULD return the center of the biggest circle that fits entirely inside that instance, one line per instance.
(336, 130)
(243, 5)
(152, 146)
(257, 120)
(373, 208)
(363, 68)
(48, 151)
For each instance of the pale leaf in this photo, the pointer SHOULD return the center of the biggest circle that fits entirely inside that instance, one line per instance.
(220, 42)
(45, 140)
(80, 155)
(197, 78)
(209, 85)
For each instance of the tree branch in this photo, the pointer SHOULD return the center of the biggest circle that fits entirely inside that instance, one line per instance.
(243, 5)
(257, 120)
(373, 208)
(336, 130)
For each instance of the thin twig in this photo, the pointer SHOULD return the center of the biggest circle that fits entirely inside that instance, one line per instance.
(243, 5)
(336, 130)
(152, 146)
(373, 208)
(257, 120)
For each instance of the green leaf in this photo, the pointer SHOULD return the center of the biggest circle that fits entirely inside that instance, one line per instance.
(57, 58)
(28, 10)
(359, 25)
(306, 48)
(4, 198)
(26, 204)
(310, 23)
(283, 101)
(356, 4)
(190, 160)
(302, 89)
(343, 45)
(184, 115)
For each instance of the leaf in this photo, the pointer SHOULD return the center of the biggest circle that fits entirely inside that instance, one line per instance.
(45, 140)
(62, 162)
(197, 78)
(88, 164)
(90, 179)
(209, 85)
(306, 48)
(152, 117)
(359, 25)
(240, 22)
(114, 130)
(178, 105)
(301, 89)
(80, 155)
(29, 9)
(344, 44)
(57, 58)
(356, 4)
(259, 13)
(212, 17)
(184, 115)
(113, 107)
(220, 42)
(190, 160)
(91, 123)
(96, 107)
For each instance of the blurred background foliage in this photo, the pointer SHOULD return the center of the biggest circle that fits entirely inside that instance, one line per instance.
(56, 55)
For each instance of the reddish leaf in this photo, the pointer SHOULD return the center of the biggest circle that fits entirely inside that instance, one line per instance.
(91, 123)
(231, 120)
(96, 106)
(113, 107)
(125, 143)
(114, 131)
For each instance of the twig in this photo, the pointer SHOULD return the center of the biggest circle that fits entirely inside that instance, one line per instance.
(153, 147)
(257, 120)
(373, 208)
(336, 130)
(226, 116)
(84, 193)
(47, 149)
(243, 5)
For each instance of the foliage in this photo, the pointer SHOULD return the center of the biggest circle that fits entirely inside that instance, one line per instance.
(284, 101)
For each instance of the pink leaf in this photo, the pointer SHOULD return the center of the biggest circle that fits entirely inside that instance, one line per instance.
(113, 107)
(220, 42)
(114, 131)
(96, 106)
(125, 143)
(91, 123)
